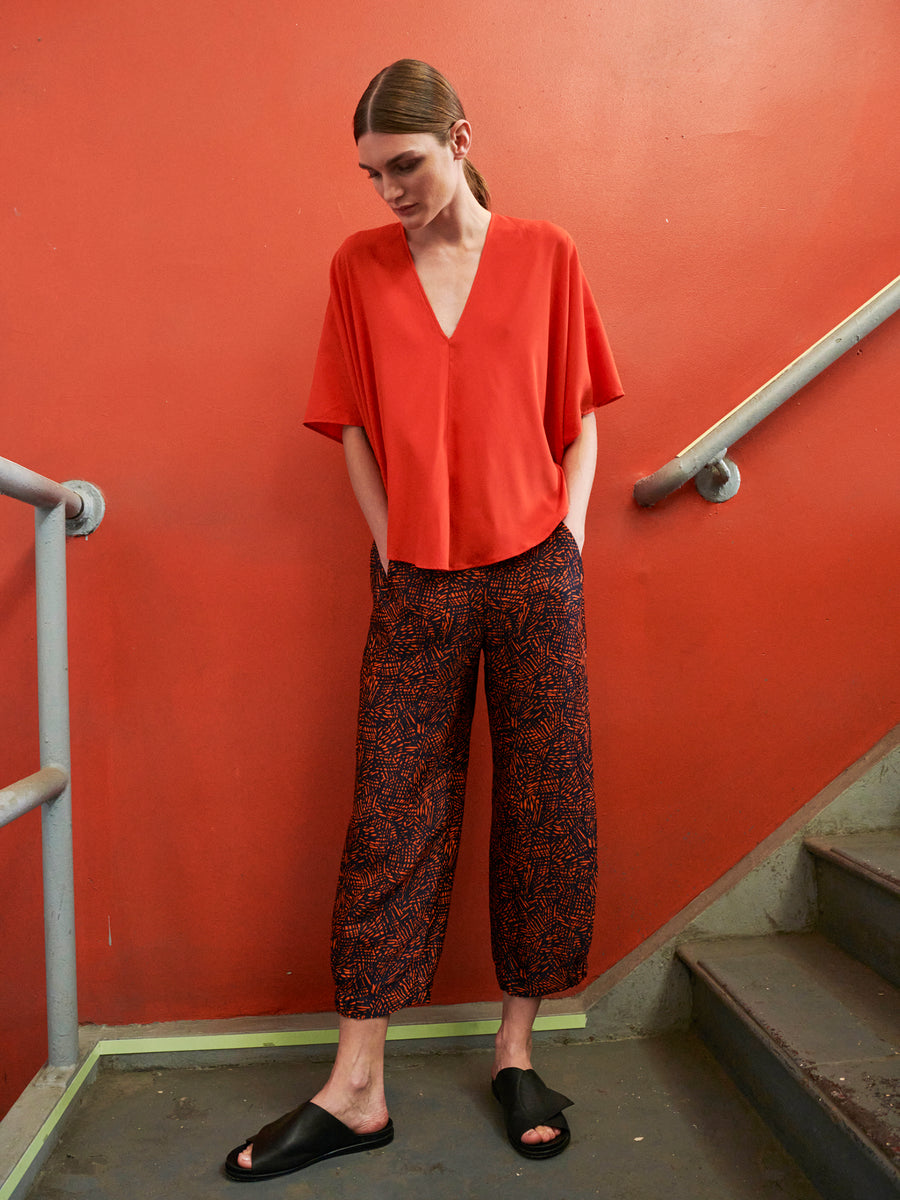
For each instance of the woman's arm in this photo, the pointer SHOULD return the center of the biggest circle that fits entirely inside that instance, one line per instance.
(368, 486)
(578, 464)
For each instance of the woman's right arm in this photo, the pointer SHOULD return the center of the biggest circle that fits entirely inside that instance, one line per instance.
(368, 486)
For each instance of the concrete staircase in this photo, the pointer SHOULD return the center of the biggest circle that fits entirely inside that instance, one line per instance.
(808, 1024)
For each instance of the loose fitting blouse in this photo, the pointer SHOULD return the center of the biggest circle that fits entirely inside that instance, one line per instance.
(469, 431)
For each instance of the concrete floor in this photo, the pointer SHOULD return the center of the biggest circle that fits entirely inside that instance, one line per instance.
(654, 1120)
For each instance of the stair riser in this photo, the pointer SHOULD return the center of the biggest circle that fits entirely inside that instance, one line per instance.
(836, 1160)
(862, 917)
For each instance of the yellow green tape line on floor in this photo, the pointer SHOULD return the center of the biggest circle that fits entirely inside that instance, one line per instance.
(248, 1041)
(317, 1037)
(73, 1087)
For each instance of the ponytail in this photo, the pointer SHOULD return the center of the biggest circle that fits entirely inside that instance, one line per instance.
(476, 182)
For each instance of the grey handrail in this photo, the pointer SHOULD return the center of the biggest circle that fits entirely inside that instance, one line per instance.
(50, 787)
(26, 794)
(717, 476)
(22, 484)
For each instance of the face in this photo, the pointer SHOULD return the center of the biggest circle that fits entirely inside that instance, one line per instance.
(413, 173)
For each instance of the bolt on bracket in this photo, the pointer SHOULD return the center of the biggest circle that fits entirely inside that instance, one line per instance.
(719, 480)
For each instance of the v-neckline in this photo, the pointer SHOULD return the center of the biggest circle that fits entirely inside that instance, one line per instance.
(412, 263)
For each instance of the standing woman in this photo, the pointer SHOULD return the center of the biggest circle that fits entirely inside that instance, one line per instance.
(461, 361)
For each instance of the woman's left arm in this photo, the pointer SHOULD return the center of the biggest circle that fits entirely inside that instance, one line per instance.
(578, 464)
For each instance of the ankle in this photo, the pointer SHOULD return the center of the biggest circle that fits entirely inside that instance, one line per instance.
(512, 1050)
(355, 1081)
(359, 1063)
(362, 1081)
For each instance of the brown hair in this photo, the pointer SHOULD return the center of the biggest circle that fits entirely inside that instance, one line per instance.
(411, 97)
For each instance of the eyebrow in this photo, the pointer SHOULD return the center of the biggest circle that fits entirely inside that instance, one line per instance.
(390, 162)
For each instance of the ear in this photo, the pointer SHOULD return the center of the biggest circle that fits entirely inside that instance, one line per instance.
(460, 138)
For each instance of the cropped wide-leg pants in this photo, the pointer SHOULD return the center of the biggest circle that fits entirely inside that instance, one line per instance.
(428, 632)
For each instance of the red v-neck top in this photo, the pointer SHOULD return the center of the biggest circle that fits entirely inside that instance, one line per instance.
(469, 431)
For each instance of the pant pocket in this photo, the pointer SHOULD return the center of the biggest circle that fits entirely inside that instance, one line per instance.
(567, 535)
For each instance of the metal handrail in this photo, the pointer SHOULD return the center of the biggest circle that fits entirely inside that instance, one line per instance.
(26, 794)
(717, 476)
(50, 787)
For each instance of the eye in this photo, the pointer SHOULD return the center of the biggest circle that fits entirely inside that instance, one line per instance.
(405, 168)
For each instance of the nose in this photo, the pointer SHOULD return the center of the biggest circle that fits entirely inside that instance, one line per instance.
(393, 190)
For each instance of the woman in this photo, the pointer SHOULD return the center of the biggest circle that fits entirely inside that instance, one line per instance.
(460, 363)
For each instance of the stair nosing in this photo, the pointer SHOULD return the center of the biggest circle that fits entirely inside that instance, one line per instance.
(826, 848)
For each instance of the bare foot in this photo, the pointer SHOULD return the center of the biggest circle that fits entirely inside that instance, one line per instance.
(540, 1133)
(363, 1112)
(354, 1092)
(512, 1048)
(522, 1059)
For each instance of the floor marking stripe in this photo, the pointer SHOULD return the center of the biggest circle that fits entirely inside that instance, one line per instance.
(73, 1087)
(316, 1037)
(107, 1047)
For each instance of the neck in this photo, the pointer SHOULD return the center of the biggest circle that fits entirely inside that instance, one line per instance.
(462, 223)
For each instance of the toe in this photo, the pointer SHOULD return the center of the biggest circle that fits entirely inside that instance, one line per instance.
(245, 1158)
(541, 1133)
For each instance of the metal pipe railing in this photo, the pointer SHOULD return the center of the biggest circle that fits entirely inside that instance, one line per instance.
(50, 787)
(31, 792)
(56, 817)
(22, 484)
(717, 476)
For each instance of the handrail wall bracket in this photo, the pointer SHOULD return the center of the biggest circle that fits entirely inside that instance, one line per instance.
(719, 480)
(93, 508)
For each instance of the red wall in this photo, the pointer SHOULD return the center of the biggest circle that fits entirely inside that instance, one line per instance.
(176, 179)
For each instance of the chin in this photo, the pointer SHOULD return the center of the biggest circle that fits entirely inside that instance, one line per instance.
(415, 220)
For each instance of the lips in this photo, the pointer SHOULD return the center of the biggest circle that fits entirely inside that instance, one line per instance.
(404, 210)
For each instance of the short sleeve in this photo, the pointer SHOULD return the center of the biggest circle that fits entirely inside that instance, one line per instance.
(605, 383)
(583, 375)
(333, 399)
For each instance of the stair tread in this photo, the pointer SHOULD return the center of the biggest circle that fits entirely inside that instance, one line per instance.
(837, 1020)
(828, 1005)
(877, 853)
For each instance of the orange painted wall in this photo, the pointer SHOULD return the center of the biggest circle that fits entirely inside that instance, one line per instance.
(176, 178)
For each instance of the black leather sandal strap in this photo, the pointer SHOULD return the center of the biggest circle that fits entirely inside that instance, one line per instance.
(527, 1102)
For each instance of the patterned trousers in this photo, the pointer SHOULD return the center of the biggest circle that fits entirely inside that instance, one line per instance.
(420, 670)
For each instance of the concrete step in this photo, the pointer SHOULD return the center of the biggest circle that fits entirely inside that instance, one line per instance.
(812, 1037)
(858, 879)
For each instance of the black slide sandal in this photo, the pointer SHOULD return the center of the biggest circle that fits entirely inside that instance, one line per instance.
(300, 1138)
(527, 1101)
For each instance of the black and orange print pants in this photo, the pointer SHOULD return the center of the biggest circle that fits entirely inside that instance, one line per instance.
(419, 675)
